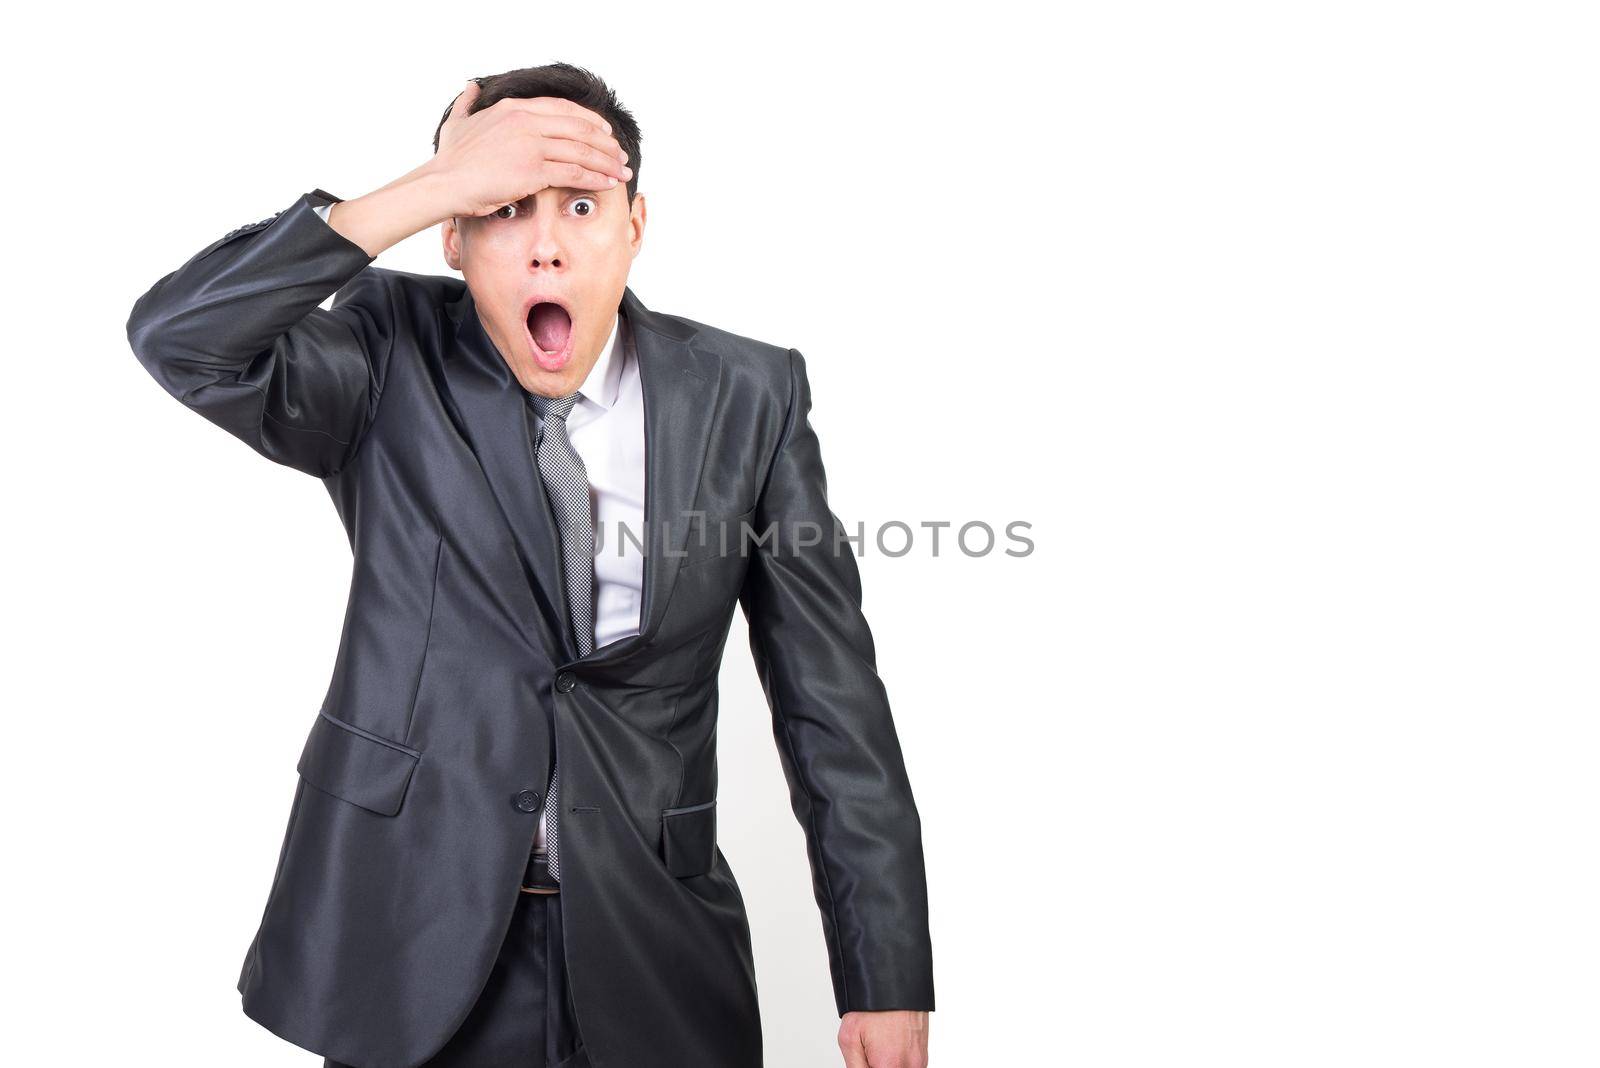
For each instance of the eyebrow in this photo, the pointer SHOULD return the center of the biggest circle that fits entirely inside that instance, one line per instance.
(566, 190)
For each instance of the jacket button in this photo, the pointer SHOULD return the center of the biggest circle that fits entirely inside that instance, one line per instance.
(526, 801)
(566, 682)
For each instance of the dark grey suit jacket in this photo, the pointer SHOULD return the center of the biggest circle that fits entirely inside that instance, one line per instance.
(457, 678)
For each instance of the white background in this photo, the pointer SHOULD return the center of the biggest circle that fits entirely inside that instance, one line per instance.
(1277, 322)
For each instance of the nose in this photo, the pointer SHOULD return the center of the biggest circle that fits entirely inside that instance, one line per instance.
(546, 251)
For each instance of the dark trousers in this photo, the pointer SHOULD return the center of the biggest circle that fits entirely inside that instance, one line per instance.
(523, 1018)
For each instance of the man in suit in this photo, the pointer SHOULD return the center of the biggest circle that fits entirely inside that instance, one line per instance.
(502, 845)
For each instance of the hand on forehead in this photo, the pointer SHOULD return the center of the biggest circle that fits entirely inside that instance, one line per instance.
(460, 109)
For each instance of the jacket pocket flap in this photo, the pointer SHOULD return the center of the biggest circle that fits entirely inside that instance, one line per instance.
(689, 839)
(357, 765)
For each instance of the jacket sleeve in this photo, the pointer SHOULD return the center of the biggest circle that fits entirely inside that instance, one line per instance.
(237, 334)
(836, 738)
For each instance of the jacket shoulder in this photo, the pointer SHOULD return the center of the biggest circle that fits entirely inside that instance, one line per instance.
(404, 288)
(746, 361)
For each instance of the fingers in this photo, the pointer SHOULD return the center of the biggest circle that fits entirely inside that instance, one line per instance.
(889, 1039)
(563, 175)
(586, 156)
(855, 1054)
(563, 118)
(555, 105)
(576, 128)
(557, 117)
(456, 113)
(462, 104)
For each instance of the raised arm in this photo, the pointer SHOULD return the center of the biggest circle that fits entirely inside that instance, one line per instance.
(236, 334)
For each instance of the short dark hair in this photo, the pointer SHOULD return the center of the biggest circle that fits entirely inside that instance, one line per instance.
(569, 83)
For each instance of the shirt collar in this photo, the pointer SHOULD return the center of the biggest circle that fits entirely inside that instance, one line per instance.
(605, 377)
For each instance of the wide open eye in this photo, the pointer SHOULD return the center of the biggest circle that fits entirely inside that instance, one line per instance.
(498, 213)
(591, 206)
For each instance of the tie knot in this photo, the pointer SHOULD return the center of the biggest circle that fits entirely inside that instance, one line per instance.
(554, 407)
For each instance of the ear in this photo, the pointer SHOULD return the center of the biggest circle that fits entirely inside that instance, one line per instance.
(450, 234)
(636, 219)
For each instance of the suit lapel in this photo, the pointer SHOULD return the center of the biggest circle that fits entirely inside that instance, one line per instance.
(680, 386)
(492, 406)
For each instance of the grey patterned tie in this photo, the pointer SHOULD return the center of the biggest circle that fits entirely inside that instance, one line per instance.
(566, 483)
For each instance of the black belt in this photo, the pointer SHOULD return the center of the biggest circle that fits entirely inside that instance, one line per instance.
(537, 878)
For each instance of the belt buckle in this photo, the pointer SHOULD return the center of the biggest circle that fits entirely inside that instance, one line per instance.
(538, 869)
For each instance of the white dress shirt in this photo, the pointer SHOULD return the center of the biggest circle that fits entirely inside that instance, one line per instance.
(606, 428)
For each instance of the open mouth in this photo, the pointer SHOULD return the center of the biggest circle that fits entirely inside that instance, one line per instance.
(551, 334)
